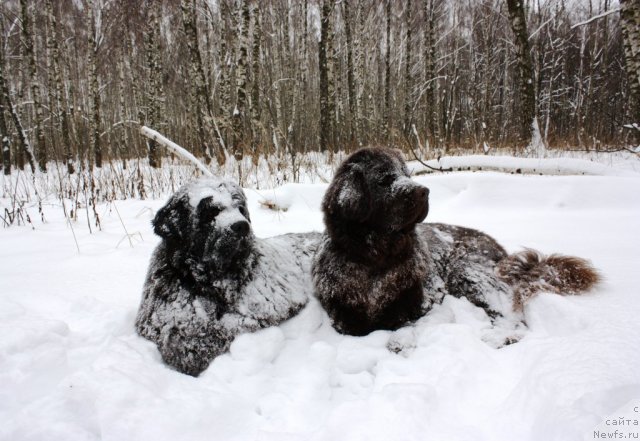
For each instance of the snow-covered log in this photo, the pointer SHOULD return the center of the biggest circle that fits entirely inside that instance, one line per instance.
(509, 164)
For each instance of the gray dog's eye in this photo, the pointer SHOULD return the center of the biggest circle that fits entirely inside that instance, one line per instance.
(208, 210)
(243, 211)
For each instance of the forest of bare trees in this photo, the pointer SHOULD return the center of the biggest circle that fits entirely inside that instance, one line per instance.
(245, 78)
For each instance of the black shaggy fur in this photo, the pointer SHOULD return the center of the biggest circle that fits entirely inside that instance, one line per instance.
(211, 279)
(379, 267)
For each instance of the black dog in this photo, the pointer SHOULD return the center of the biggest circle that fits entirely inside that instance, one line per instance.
(210, 279)
(379, 267)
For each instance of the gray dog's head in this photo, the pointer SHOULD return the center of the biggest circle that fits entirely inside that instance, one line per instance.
(208, 223)
(372, 189)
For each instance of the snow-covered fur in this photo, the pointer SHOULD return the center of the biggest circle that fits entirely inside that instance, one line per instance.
(210, 279)
(379, 267)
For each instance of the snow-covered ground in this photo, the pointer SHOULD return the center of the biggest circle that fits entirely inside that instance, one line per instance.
(72, 367)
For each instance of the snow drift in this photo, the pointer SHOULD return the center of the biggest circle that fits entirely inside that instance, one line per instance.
(73, 368)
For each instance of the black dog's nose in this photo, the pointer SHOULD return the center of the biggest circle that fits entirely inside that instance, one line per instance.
(241, 227)
(423, 192)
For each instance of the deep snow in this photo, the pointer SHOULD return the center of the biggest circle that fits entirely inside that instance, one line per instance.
(72, 367)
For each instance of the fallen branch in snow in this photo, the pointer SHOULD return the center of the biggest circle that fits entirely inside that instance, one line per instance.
(415, 155)
(429, 166)
(157, 137)
(594, 18)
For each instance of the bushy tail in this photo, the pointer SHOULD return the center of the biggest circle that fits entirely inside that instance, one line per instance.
(530, 272)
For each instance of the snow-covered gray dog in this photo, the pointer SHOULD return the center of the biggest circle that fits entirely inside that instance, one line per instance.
(379, 267)
(210, 279)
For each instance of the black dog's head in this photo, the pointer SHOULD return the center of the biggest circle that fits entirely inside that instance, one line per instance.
(373, 191)
(206, 223)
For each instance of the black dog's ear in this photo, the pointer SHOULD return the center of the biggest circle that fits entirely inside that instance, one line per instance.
(172, 221)
(348, 195)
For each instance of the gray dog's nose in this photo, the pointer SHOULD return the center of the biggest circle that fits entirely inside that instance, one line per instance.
(241, 227)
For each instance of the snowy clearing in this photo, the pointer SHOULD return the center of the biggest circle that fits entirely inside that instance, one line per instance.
(72, 367)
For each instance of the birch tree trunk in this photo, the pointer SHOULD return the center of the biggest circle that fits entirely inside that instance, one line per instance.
(429, 9)
(331, 78)
(326, 110)
(351, 88)
(204, 109)
(387, 75)
(304, 71)
(94, 86)
(60, 96)
(22, 137)
(302, 75)
(153, 68)
(408, 83)
(30, 55)
(191, 31)
(225, 74)
(361, 110)
(255, 88)
(527, 110)
(123, 110)
(630, 24)
(6, 140)
(286, 95)
(197, 78)
(240, 108)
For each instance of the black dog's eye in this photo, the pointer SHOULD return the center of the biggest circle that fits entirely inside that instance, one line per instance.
(386, 180)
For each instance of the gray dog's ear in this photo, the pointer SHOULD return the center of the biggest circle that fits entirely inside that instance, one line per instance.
(348, 195)
(172, 221)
